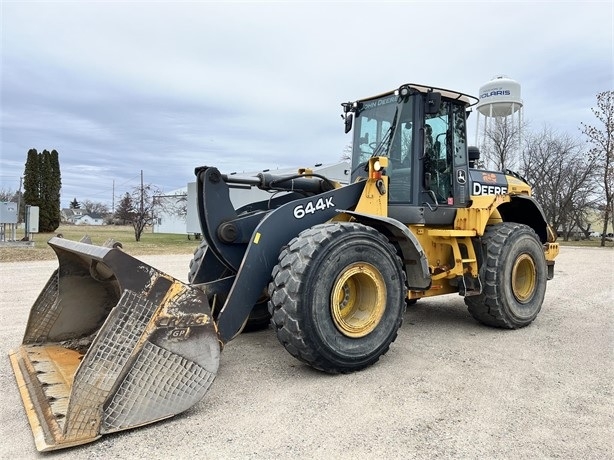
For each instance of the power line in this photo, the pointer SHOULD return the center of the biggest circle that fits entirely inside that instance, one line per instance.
(112, 188)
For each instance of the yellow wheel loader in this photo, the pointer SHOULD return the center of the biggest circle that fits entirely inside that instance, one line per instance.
(112, 343)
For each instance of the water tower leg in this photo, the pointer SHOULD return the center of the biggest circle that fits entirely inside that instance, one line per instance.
(477, 129)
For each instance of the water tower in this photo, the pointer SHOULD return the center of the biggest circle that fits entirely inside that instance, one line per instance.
(499, 99)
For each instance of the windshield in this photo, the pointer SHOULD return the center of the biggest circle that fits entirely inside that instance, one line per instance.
(382, 127)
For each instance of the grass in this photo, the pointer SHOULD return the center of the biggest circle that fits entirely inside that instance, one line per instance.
(151, 243)
(591, 243)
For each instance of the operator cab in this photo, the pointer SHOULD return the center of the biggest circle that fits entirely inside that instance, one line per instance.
(422, 130)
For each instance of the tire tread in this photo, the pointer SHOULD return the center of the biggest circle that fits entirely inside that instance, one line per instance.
(488, 307)
(284, 291)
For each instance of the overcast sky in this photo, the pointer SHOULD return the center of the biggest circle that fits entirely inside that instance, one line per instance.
(163, 87)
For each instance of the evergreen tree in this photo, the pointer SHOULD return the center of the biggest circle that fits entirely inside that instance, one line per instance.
(74, 204)
(31, 179)
(42, 184)
(55, 187)
(45, 212)
(125, 209)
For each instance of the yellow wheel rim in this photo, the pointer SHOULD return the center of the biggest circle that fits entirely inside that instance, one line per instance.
(358, 300)
(524, 278)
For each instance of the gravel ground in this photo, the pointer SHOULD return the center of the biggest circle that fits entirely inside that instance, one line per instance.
(448, 388)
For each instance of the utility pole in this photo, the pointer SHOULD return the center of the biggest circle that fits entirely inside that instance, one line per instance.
(142, 205)
(113, 199)
(19, 200)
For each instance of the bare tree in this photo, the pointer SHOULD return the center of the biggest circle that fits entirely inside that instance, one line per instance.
(602, 150)
(96, 207)
(173, 205)
(583, 203)
(346, 155)
(7, 194)
(561, 176)
(501, 147)
(142, 208)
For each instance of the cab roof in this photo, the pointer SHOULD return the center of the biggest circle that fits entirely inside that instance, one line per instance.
(446, 93)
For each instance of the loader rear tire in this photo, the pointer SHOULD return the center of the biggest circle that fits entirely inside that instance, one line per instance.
(513, 275)
(259, 318)
(338, 296)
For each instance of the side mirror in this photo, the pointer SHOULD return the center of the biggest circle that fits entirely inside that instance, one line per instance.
(349, 118)
(432, 103)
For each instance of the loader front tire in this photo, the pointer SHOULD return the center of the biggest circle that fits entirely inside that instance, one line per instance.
(338, 296)
(513, 273)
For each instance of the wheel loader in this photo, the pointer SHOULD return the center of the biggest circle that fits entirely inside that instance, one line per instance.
(113, 343)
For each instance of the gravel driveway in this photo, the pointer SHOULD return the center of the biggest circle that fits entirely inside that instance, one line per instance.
(448, 388)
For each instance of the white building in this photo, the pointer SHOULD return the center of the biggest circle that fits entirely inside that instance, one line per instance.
(81, 217)
(177, 211)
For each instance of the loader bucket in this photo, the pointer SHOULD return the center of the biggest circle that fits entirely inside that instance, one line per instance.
(111, 343)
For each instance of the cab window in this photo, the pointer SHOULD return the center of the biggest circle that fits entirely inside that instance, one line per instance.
(438, 158)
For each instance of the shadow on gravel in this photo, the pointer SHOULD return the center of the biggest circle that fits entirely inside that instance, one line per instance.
(441, 312)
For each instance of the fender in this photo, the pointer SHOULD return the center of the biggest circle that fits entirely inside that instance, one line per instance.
(525, 210)
(414, 259)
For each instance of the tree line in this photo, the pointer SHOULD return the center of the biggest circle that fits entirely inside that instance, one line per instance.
(135, 208)
(42, 184)
(572, 178)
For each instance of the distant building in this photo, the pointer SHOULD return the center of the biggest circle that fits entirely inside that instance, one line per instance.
(170, 212)
(595, 218)
(177, 211)
(81, 217)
